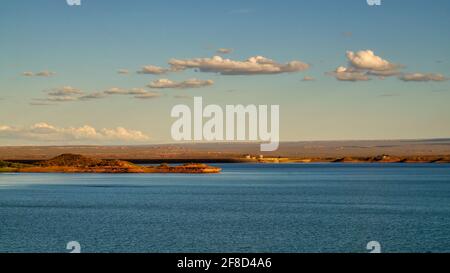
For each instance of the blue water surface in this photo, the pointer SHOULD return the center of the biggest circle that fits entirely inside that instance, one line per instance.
(246, 208)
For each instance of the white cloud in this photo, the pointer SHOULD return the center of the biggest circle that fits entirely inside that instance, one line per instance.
(363, 64)
(123, 134)
(123, 71)
(349, 74)
(45, 101)
(65, 91)
(121, 91)
(366, 59)
(115, 91)
(58, 99)
(420, 77)
(151, 69)
(95, 95)
(183, 97)
(224, 51)
(5, 128)
(148, 95)
(44, 132)
(191, 83)
(252, 66)
(44, 73)
(308, 79)
(69, 94)
(137, 91)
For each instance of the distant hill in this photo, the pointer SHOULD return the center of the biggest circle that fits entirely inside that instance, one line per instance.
(221, 151)
(80, 161)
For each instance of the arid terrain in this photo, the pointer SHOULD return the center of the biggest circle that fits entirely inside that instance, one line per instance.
(435, 150)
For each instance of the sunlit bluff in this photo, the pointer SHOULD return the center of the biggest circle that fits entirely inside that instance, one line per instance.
(236, 127)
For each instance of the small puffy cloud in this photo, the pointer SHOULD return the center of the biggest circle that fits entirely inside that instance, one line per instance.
(154, 70)
(224, 51)
(123, 71)
(65, 91)
(44, 73)
(70, 94)
(420, 77)
(121, 91)
(115, 91)
(137, 91)
(28, 74)
(183, 97)
(44, 132)
(55, 99)
(191, 83)
(62, 98)
(308, 79)
(349, 74)
(95, 95)
(253, 66)
(364, 64)
(342, 69)
(63, 94)
(366, 59)
(148, 95)
(123, 134)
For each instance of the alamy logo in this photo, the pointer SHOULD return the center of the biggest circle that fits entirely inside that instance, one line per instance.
(236, 127)
(73, 2)
(374, 247)
(74, 246)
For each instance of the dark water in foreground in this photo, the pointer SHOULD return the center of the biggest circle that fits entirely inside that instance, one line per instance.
(247, 208)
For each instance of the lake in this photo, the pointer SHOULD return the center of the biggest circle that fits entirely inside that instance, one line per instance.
(247, 208)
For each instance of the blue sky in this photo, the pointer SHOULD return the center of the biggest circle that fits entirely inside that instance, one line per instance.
(85, 47)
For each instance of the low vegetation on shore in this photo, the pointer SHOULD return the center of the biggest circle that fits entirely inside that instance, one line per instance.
(11, 166)
(73, 163)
